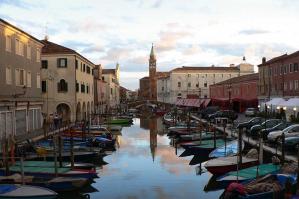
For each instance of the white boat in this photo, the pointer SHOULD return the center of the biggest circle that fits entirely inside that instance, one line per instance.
(12, 191)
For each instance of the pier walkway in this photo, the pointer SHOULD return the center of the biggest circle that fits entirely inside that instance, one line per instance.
(249, 140)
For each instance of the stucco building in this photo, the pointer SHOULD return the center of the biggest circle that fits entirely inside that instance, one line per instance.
(99, 90)
(237, 93)
(111, 77)
(67, 82)
(20, 85)
(189, 82)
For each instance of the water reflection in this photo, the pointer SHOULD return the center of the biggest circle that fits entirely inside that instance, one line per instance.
(145, 165)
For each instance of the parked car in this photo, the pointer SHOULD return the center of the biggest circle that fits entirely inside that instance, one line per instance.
(231, 115)
(267, 124)
(278, 127)
(209, 110)
(290, 131)
(251, 112)
(248, 124)
(291, 143)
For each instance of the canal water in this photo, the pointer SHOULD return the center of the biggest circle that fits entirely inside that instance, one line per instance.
(145, 165)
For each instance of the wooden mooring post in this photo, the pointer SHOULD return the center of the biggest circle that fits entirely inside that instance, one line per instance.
(282, 149)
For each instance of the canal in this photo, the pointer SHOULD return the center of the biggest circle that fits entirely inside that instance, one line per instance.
(145, 165)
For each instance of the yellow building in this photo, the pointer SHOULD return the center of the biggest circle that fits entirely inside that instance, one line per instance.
(67, 82)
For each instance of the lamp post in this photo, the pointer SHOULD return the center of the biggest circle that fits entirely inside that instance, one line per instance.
(294, 109)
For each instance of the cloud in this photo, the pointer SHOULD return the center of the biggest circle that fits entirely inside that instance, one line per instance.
(169, 39)
(253, 32)
(116, 54)
(16, 3)
(93, 49)
(157, 4)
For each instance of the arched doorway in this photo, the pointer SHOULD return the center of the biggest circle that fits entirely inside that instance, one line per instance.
(64, 111)
(78, 112)
(84, 111)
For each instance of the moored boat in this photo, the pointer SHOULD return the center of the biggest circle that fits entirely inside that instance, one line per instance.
(12, 191)
(231, 148)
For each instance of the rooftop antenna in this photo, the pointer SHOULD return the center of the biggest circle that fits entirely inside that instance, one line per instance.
(46, 32)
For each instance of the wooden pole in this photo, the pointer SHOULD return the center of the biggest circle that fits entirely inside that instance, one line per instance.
(72, 149)
(60, 150)
(55, 155)
(224, 125)
(6, 158)
(214, 129)
(240, 147)
(22, 170)
(282, 148)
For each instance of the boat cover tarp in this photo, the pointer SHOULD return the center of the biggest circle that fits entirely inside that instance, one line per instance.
(7, 188)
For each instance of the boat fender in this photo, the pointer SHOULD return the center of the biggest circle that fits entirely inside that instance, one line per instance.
(233, 190)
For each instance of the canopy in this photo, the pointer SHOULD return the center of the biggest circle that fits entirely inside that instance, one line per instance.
(189, 102)
(293, 102)
(275, 102)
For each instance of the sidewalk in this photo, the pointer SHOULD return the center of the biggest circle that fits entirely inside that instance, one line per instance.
(249, 140)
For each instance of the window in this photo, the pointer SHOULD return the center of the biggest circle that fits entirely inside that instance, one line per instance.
(20, 77)
(37, 80)
(88, 69)
(45, 64)
(205, 84)
(281, 70)
(189, 75)
(179, 84)
(291, 85)
(29, 79)
(179, 95)
(8, 43)
(61, 62)
(8, 75)
(62, 86)
(189, 84)
(296, 84)
(291, 68)
(295, 67)
(44, 86)
(76, 64)
(28, 51)
(83, 67)
(270, 72)
(19, 47)
(205, 96)
(285, 69)
(82, 88)
(111, 91)
(197, 85)
(77, 87)
(37, 55)
(162, 88)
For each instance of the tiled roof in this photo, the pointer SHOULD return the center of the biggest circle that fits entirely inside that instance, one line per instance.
(18, 29)
(197, 68)
(53, 48)
(243, 78)
(144, 78)
(275, 59)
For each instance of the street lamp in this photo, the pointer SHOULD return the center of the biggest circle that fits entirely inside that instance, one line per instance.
(294, 109)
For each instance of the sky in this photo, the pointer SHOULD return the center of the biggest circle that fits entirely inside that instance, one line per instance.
(184, 32)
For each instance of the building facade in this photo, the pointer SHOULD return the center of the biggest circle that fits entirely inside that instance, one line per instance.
(144, 93)
(111, 77)
(67, 83)
(20, 82)
(99, 90)
(237, 93)
(193, 82)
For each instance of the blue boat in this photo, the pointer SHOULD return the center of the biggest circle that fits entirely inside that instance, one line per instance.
(267, 187)
(12, 191)
(230, 149)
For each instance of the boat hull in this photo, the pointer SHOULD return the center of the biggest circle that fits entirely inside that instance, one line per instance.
(219, 170)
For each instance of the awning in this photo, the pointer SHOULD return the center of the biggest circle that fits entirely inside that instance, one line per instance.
(293, 102)
(275, 102)
(188, 102)
(206, 102)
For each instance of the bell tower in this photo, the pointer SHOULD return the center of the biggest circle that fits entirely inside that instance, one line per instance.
(152, 75)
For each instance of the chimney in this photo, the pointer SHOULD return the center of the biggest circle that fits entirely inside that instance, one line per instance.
(264, 60)
(232, 65)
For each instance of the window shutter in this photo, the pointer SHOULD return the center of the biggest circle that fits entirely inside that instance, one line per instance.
(17, 75)
(65, 63)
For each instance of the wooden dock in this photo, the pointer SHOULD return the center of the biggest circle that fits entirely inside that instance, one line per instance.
(249, 140)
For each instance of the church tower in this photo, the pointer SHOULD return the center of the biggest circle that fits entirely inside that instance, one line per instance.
(152, 75)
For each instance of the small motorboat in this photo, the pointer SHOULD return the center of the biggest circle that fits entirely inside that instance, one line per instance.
(267, 187)
(13, 191)
(199, 136)
(249, 173)
(57, 184)
(230, 149)
(46, 164)
(222, 165)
